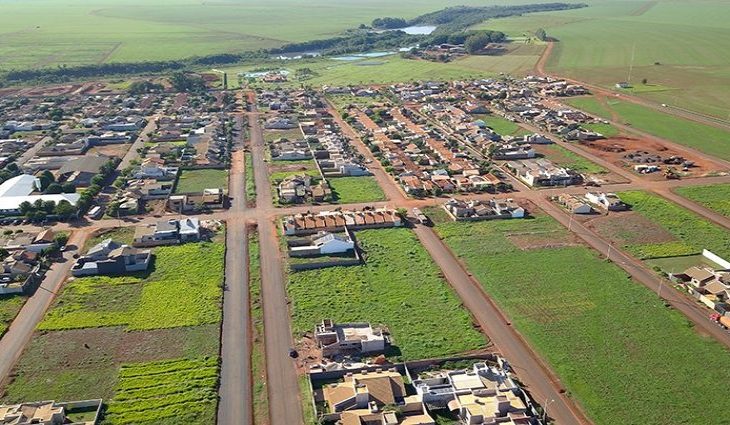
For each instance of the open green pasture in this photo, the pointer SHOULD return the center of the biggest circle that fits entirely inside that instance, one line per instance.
(692, 232)
(715, 197)
(604, 335)
(710, 140)
(399, 286)
(350, 190)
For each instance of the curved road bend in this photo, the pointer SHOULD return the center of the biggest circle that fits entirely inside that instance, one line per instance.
(22, 328)
(284, 399)
(235, 393)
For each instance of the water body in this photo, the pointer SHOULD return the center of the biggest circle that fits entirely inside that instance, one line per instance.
(418, 29)
(358, 56)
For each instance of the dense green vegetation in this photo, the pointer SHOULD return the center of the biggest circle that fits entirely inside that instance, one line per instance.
(258, 354)
(704, 138)
(183, 289)
(399, 286)
(191, 181)
(9, 308)
(183, 389)
(351, 190)
(693, 232)
(604, 335)
(250, 179)
(715, 197)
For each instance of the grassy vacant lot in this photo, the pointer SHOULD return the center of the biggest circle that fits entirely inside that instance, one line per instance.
(350, 190)
(704, 138)
(123, 235)
(148, 344)
(565, 158)
(715, 197)
(9, 308)
(502, 126)
(606, 129)
(197, 180)
(398, 286)
(692, 232)
(604, 335)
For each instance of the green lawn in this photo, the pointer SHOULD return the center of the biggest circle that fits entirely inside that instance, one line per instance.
(398, 286)
(604, 335)
(715, 197)
(9, 308)
(196, 180)
(184, 289)
(258, 354)
(351, 190)
(606, 129)
(502, 126)
(693, 232)
(704, 138)
(250, 180)
(565, 158)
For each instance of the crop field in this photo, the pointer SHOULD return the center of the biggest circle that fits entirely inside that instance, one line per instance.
(351, 190)
(604, 335)
(692, 233)
(9, 308)
(148, 344)
(715, 197)
(46, 33)
(399, 286)
(704, 138)
(196, 180)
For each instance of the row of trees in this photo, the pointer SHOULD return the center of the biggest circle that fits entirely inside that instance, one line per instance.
(389, 23)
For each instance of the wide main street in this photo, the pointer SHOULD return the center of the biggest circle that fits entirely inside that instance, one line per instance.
(285, 404)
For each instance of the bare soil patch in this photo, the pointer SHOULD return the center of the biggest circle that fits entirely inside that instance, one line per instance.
(629, 228)
(540, 240)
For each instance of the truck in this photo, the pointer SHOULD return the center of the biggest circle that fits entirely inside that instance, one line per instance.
(420, 217)
(721, 320)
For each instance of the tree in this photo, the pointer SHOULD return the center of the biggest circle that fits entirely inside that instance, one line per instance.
(68, 188)
(64, 209)
(25, 207)
(49, 206)
(476, 43)
(46, 178)
(97, 180)
(644, 81)
(541, 34)
(60, 239)
(54, 188)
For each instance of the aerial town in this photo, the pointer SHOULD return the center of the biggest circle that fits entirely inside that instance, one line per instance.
(322, 233)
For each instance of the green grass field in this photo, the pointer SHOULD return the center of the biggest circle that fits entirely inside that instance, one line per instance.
(604, 335)
(693, 233)
(565, 158)
(351, 190)
(715, 197)
(606, 129)
(196, 180)
(399, 286)
(258, 354)
(123, 235)
(704, 138)
(502, 126)
(250, 180)
(9, 308)
(147, 344)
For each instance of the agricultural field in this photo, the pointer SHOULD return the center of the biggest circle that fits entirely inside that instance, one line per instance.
(604, 335)
(398, 286)
(45, 33)
(352, 190)
(715, 197)
(148, 344)
(196, 180)
(710, 140)
(689, 233)
(9, 308)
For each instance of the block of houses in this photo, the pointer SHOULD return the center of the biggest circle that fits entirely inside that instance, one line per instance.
(360, 399)
(48, 413)
(167, 232)
(337, 221)
(710, 286)
(324, 243)
(279, 123)
(336, 339)
(80, 171)
(111, 258)
(484, 394)
(156, 169)
(483, 210)
(542, 172)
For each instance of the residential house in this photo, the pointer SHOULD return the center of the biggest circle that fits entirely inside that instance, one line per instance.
(575, 204)
(212, 198)
(49, 413)
(483, 210)
(110, 258)
(324, 243)
(542, 172)
(606, 201)
(167, 232)
(337, 221)
(152, 168)
(348, 338)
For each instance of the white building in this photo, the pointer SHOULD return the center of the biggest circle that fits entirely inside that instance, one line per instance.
(17, 190)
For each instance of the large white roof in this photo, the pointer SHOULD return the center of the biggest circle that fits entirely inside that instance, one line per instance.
(21, 185)
(11, 203)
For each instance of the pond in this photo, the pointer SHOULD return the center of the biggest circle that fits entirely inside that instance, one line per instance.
(418, 29)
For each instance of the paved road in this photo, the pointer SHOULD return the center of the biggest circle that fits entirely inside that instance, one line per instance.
(284, 398)
(235, 405)
(540, 381)
(22, 328)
